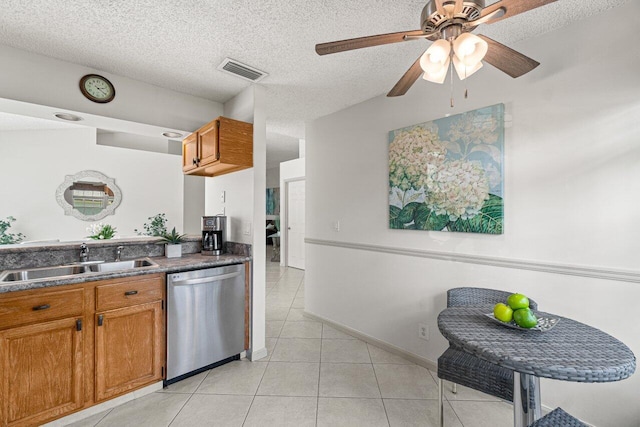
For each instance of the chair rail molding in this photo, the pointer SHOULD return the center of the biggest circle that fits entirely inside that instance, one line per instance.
(546, 267)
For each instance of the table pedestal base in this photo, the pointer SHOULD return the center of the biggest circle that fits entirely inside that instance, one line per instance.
(526, 399)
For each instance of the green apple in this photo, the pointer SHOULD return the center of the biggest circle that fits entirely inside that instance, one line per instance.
(502, 312)
(517, 301)
(525, 318)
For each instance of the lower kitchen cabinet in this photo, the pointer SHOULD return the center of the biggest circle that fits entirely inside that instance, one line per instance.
(42, 371)
(70, 347)
(129, 348)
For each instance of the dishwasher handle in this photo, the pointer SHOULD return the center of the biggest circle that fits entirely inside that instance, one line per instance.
(208, 279)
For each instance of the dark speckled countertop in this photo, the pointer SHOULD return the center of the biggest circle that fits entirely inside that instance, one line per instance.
(187, 262)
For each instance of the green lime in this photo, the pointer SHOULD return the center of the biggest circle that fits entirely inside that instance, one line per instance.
(503, 312)
(525, 318)
(517, 301)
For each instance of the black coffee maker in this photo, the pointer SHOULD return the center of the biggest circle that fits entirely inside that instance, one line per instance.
(213, 234)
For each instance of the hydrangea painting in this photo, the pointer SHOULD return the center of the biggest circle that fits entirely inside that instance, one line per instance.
(446, 175)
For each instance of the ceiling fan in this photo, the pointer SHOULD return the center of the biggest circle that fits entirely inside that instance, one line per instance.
(449, 23)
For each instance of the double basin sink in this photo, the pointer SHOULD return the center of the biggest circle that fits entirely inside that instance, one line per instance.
(60, 271)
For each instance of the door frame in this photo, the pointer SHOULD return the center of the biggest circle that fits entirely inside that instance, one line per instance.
(284, 233)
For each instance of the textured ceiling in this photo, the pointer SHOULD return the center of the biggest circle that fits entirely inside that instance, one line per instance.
(178, 44)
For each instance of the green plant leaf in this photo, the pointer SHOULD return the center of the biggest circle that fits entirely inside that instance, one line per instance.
(426, 219)
(488, 221)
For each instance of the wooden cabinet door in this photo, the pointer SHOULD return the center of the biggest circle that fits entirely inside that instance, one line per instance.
(190, 152)
(129, 348)
(41, 371)
(209, 148)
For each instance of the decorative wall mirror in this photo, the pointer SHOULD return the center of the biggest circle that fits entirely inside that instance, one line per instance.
(88, 195)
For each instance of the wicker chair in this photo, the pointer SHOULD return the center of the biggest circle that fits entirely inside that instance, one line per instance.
(557, 418)
(462, 368)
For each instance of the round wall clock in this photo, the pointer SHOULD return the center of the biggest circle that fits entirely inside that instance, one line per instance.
(97, 88)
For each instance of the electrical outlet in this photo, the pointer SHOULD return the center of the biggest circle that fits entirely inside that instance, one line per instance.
(247, 229)
(336, 226)
(222, 196)
(423, 331)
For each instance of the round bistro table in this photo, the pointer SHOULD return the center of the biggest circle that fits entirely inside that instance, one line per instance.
(570, 351)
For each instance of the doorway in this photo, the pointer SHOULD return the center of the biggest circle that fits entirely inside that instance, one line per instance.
(295, 200)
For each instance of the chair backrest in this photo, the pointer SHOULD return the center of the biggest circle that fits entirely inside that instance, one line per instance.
(479, 297)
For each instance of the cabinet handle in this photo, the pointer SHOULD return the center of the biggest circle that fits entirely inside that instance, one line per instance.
(100, 319)
(195, 161)
(41, 307)
(126, 294)
(79, 325)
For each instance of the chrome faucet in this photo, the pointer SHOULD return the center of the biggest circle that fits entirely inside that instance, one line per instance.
(119, 252)
(84, 252)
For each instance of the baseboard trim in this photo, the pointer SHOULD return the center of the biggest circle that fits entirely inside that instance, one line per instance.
(257, 355)
(418, 360)
(100, 407)
(566, 269)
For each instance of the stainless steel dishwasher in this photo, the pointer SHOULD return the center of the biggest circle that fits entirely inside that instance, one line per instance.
(205, 319)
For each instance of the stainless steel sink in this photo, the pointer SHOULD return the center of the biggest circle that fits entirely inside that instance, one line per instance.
(121, 265)
(72, 270)
(42, 273)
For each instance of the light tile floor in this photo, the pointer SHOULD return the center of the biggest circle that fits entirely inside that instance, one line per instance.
(314, 375)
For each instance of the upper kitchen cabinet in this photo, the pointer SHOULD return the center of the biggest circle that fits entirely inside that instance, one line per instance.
(221, 146)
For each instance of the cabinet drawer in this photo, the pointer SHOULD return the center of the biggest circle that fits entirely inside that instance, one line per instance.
(124, 293)
(44, 305)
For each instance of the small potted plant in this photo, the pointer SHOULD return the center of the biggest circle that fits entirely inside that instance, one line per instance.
(101, 231)
(173, 244)
(156, 227)
(7, 238)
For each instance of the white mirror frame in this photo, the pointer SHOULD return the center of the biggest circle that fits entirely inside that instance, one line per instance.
(68, 182)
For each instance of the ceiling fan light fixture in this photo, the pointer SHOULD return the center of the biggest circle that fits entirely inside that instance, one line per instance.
(463, 70)
(470, 49)
(437, 75)
(435, 61)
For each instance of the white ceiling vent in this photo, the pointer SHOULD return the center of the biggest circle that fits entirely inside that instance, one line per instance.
(241, 70)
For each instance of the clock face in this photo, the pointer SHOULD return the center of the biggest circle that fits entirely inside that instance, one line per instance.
(97, 88)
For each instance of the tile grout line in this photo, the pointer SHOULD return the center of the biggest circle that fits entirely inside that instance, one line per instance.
(319, 374)
(180, 410)
(384, 407)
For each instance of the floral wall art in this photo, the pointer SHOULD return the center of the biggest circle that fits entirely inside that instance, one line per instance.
(447, 174)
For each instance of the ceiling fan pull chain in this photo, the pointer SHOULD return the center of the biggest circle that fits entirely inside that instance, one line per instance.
(451, 78)
(466, 86)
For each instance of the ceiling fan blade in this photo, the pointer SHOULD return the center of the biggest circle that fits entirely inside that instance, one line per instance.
(406, 81)
(506, 59)
(513, 8)
(440, 7)
(457, 8)
(361, 42)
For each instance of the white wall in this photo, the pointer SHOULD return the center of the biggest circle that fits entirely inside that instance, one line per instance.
(244, 204)
(34, 163)
(292, 170)
(273, 177)
(572, 177)
(39, 79)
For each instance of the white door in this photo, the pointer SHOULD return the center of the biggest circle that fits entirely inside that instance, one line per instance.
(295, 224)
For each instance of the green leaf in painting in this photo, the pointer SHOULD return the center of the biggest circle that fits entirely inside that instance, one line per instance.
(426, 219)
(394, 211)
(406, 214)
(487, 221)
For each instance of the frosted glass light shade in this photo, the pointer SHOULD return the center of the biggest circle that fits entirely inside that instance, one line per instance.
(435, 61)
(465, 71)
(470, 49)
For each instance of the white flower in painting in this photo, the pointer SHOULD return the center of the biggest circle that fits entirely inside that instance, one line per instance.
(413, 154)
(458, 189)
